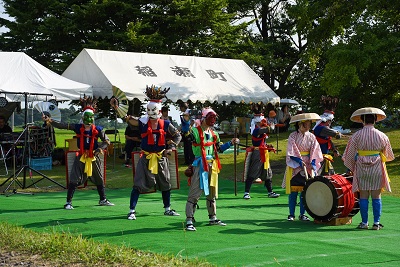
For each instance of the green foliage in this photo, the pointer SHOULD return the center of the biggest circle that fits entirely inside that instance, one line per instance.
(201, 28)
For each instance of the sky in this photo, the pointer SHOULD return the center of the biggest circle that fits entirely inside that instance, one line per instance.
(2, 29)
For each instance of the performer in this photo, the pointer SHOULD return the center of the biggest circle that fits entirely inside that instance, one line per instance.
(324, 134)
(152, 167)
(87, 164)
(206, 166)
(303, 158)
(258, 161)
(186, 123)
(365, 155)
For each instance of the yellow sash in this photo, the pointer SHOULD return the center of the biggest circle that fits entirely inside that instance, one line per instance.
(374, 153)
(88, 164)
(327, 159)
(214, 177)
(289, 173)
(266, 163)
(153, 158)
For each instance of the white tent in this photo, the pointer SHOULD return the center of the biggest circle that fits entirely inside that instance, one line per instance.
(22, 77)
(189, 77)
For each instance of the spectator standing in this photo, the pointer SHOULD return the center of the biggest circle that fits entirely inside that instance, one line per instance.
(4, 127)
(283, 117)
(186, 123)
(132, 141)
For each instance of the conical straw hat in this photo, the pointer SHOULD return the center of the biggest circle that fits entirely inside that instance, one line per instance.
(305, 117)
(356, 116)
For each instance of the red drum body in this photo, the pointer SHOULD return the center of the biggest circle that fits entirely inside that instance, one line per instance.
(329, 197)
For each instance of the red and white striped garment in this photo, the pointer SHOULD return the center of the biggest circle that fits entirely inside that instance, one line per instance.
(369, 172)
(297, 143)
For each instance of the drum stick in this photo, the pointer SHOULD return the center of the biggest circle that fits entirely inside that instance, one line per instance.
(305, 171)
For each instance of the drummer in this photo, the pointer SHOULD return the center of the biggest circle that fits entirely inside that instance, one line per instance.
(365, 155)
(303, 158)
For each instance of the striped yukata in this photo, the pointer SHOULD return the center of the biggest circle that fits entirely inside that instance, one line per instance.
(305, 147)
(297, 143)
(369, 171)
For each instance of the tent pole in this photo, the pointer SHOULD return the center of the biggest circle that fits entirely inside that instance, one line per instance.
(115, 139)
(234, 160)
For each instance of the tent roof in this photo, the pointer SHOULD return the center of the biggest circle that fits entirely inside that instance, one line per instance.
(189, 77)
(20, 75)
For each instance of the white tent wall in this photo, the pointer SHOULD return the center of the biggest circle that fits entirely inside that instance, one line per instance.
(22, 77)
(189, 77)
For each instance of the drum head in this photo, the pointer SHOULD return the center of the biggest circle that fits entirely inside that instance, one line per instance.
(320, 198)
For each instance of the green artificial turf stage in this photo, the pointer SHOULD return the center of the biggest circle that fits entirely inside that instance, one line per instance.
(257, 233)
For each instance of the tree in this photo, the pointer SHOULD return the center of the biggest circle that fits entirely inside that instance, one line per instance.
(363, 66)
(305, 49)
(54, 32)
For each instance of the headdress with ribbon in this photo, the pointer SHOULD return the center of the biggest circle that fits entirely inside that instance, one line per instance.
(88, 103)
(329, 103)
(154, 95)
(88, 107)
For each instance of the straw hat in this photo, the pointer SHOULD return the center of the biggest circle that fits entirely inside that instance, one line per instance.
(356, 116)
(305, 117)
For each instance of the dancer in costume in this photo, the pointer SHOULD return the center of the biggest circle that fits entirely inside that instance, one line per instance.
(206, 166)
(87, 164)
(303, 158)
(365, 155)
(152, 167)
(258, 165)
(325, 133)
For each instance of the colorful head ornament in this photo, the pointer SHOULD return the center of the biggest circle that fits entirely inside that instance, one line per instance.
(329, 103)
(155, 96)
(89, 107)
